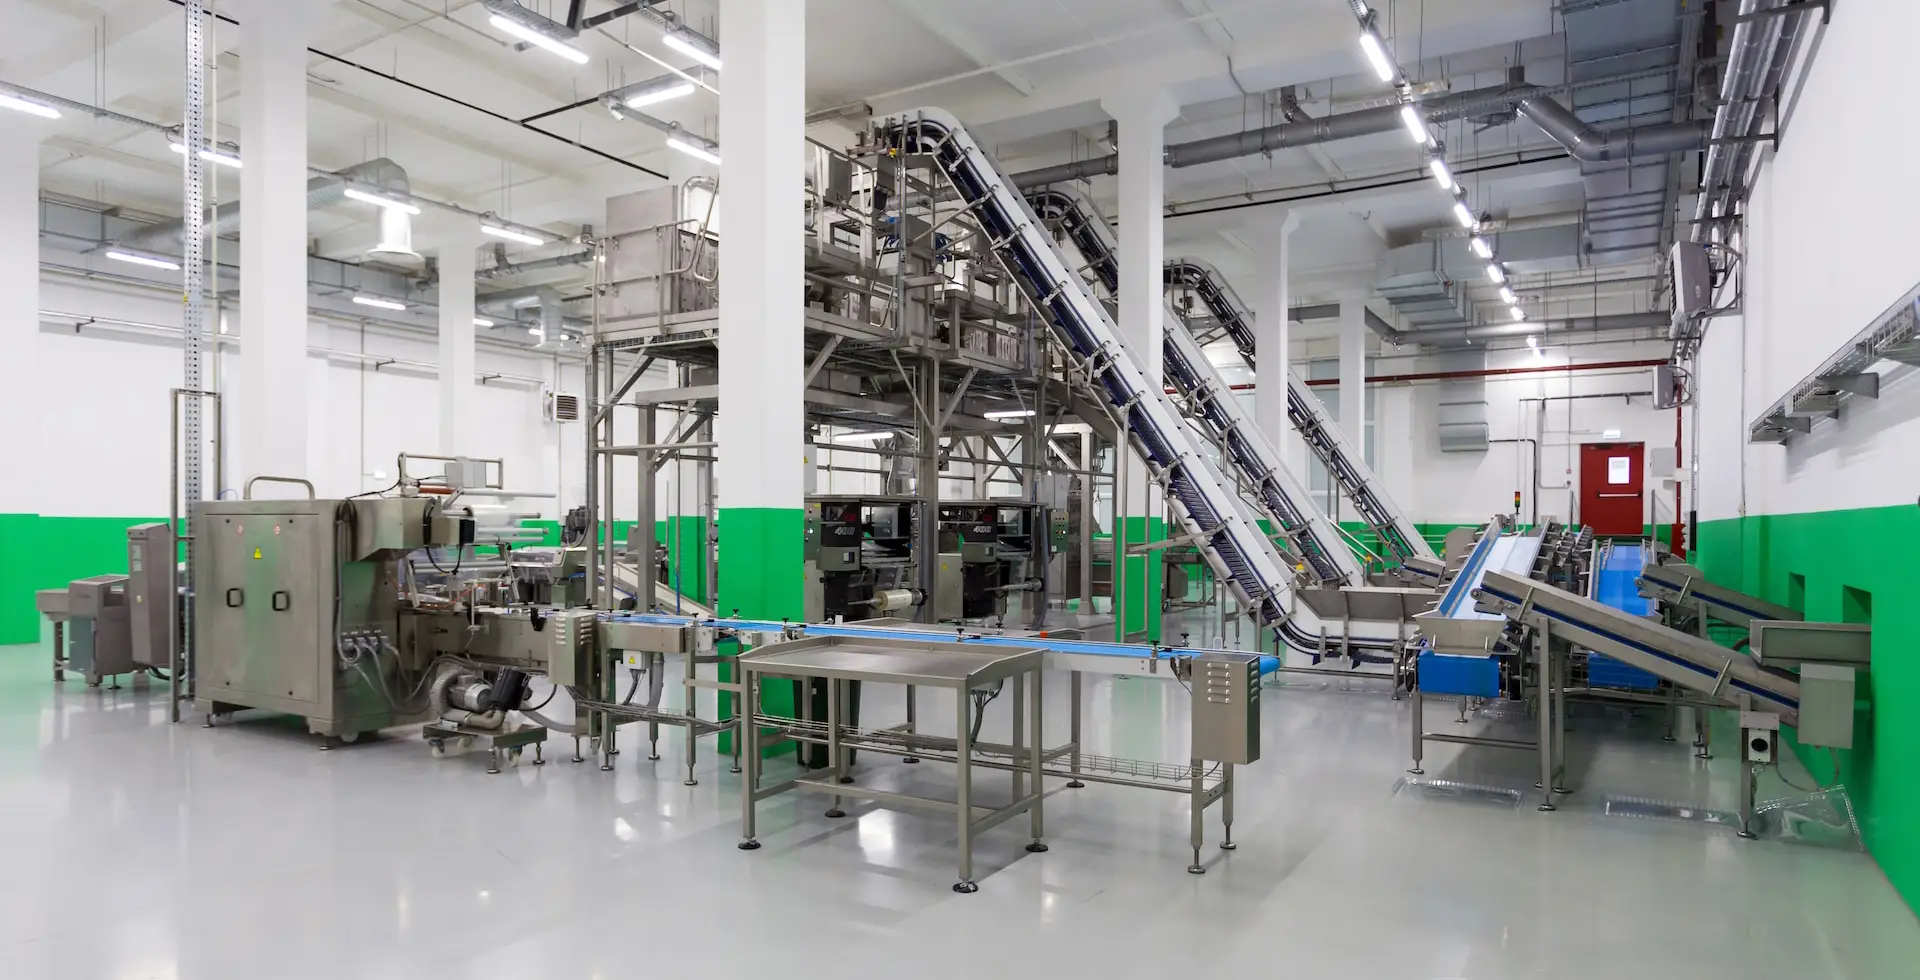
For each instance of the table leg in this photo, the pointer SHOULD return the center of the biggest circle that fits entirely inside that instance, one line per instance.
(1544, 673)
(1226, 806)
(963, 765)
(836, 760)
(1419, 730)
(913, 719)
(607, 749)
(1019, 734)
(1036, 817)
(59, 650)
(1073, 733)
(749, 733)
(1196, 808)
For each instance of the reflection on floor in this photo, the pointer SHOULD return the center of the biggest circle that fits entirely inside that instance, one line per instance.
(136, 849)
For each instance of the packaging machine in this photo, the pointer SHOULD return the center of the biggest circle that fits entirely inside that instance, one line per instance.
(106, 626)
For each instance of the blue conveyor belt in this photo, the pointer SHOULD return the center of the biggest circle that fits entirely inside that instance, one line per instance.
(1616, 583)
(1054, 645)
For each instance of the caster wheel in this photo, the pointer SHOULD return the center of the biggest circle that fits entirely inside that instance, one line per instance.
(513, 757)
(748, 845)
(438, 748)
(966, 887)
(1036, 848)
(466, 742)
(1194, 869)
(836, 813)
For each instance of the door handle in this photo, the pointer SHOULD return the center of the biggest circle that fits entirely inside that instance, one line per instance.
(236, 598)
(282, 601)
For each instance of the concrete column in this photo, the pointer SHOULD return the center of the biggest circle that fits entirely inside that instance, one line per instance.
(1353, 373)
(1142, 118)
(20, 401)
(459, 238)
(761, 424)
(1273, 329)
(269, 407)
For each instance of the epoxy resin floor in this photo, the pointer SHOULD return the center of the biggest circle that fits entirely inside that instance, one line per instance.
(135, 849)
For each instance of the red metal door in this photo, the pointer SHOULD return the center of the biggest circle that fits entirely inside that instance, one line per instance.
(1613, 498)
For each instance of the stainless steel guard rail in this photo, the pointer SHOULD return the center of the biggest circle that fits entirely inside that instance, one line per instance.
(1311, 536)
(1237, 550)
(1348, 468)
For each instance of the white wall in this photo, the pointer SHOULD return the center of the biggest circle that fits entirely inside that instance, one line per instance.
(1469, 487)
(106, 427)
(1828, 242)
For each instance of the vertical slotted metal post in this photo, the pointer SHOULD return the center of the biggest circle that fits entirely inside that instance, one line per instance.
(193, 291)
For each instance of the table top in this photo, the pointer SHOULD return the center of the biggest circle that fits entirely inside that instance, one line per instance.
(933, 664)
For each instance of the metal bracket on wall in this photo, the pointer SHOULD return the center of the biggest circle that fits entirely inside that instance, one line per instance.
(1894, 335)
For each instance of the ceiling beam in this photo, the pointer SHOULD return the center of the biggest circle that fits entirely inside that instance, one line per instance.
(1215, 32)
(935, 16)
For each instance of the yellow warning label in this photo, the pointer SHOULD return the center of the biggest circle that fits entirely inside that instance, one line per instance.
(256, 554)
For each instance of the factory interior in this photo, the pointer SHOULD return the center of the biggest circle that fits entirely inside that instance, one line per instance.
(457, 525)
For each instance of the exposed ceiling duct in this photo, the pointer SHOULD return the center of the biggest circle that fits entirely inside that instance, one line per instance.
(1304, 132)
(1590, 145)
(1427, 281)
(1652, 324)
(1757, 59)
(395, 246)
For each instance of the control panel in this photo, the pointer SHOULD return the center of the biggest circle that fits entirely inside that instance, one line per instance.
(1226, 707)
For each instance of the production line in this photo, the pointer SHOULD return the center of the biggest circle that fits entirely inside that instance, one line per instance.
(375, 612)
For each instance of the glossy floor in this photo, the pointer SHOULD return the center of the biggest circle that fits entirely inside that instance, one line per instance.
(134, 849)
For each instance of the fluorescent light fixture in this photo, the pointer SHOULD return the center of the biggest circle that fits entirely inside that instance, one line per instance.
(861, 436)
(1496, 273)
(648, 95)
(537, 39)
(1376, 50)
(1507, 297)
(1416, 124)
(694, 45)
(1023, 413)
(210, 155)
(1463, 215)
(535, 332)
(223, 323)
(367, 197)
(1518, 313)
(28, 106)
(511, 234)
(481, 321)
(378, 303)
(694, 150)
(1441, 175)
(136, 258)
(1481, 247)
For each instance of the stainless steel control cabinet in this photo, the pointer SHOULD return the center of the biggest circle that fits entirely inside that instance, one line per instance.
(268, 572)
(1226, 708)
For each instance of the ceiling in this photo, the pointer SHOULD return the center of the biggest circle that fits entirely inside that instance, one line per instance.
(430, 85)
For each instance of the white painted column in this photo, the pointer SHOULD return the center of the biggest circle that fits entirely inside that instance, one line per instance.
(1143, 117)
(1353, 373)
(1273, 329)
(761, 424)
(20, 311)
(459, 239)
(269, 407)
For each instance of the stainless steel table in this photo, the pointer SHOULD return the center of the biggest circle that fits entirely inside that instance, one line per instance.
(958, 667)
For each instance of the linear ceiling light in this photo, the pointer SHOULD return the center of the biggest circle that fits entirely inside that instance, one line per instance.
(1518, 313)
(541, 32)
(511, 234)
(1480, 247)
(653, 90)
(1441, 175)
(1023, 413)
(1507, 297)
(481, 321)
(1495, 272)
(378, 303)
(1416, 125)
(28, 106)
(367, 197)
(137, 258)
(686, 144)
(694, 45)
(1463, 214)
(209, 154)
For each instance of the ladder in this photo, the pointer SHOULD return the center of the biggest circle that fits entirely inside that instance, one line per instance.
(1207, 509)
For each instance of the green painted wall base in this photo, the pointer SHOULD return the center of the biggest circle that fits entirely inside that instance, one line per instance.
(763, 548)
(42, 552)
(1849, 566)
(1145, 579)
